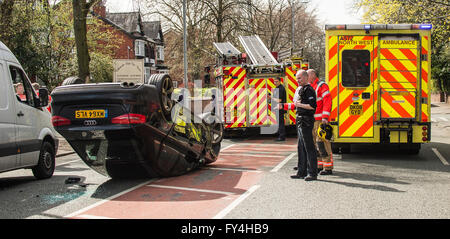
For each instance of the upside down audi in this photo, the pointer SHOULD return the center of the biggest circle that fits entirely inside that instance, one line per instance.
(125, 130)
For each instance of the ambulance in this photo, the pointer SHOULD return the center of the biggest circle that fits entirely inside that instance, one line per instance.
(379, 79)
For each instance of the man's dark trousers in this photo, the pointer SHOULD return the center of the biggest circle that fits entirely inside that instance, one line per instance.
(307, 157)
(281, 126)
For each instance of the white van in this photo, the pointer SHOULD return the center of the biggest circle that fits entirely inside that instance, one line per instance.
(27, 137)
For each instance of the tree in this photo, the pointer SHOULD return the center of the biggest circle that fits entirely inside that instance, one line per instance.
(436, 12)
(80, 11)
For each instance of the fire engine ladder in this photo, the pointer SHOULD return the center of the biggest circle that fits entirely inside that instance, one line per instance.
(257, 51)
(226, 49)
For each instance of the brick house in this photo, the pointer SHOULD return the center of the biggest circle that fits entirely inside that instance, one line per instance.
(140, 40)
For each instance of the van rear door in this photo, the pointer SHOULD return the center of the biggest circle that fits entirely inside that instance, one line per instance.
(356, 90)
(8, 146)
(399, 73)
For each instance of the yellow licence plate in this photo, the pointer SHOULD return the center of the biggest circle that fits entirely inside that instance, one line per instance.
(91, 114)
(356, 109)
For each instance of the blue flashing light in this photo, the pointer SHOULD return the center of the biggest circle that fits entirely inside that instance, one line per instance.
(366, 27)
(426, 26)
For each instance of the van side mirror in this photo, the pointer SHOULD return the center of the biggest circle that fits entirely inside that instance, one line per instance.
(43, 97)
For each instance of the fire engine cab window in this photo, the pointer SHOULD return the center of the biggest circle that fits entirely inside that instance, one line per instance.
(355, 68)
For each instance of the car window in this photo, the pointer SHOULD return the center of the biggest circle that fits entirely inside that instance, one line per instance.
(355, 68)
(24, 91)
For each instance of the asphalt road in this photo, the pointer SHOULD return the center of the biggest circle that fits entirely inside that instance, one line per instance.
(250, 180)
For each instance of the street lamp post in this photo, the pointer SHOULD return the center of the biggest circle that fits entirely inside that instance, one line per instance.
(185, 80)
(292, 2)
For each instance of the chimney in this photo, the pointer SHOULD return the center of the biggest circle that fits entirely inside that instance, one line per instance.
(100, 8)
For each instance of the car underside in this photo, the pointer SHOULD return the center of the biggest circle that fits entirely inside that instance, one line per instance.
(126, 130)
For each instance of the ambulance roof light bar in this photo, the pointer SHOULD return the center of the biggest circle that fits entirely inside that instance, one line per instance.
(378, 27)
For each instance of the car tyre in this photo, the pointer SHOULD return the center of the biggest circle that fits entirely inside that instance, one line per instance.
(46, 165)
(164, 85)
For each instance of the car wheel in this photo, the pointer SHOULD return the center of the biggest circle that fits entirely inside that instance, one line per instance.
(72, 81)
(215, 127)
(164, 84)
(46, 165)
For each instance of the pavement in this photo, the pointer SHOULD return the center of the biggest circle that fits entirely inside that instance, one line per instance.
(64, 148)
(440, 108)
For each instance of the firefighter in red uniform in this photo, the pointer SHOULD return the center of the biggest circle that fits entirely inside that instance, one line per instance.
(322, 115)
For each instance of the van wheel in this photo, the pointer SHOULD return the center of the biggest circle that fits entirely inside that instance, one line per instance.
(46, 165)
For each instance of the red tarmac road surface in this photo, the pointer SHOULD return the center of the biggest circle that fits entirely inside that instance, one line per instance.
(210, 192)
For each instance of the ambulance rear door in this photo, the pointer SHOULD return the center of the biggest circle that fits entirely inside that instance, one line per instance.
(398, 75)
(357, 86)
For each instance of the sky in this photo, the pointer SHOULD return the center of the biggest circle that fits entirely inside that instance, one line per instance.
(329, 11)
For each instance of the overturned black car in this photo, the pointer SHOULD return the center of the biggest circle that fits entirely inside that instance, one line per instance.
(128, 130)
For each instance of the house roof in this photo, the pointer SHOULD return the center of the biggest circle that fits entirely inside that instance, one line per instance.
(129, 21)
(152, 30)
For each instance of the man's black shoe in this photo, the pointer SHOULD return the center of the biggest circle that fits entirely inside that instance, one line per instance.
(319, 169)
(297, 177)
(295, 168)
(310, 178)
(280, 139)
(326, 172)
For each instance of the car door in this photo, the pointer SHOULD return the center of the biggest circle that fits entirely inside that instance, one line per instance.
(26, 119)
(8, 146)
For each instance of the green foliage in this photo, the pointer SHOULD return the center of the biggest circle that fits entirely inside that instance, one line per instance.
(436, 12)
(41, 36)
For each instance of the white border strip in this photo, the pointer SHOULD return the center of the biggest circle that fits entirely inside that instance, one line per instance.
(280, 165)
(236, 202)
(191, 189)
(439, 155)
(74, 214)
(93, 217)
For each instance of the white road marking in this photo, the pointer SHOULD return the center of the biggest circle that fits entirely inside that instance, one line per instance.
(444, 119)
(73, 161)
(236, 153)
(236, 202)
(234, 169)
(109, 199)
(270, 145)
(283, 162)
(229, 146)
(93, 217)
(439, 155)
(191, 189)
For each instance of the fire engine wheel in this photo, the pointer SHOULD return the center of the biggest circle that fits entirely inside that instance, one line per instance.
(164, 84)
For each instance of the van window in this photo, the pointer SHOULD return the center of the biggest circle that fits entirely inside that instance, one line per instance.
(355, 68)
(24, 91)
(3, 90)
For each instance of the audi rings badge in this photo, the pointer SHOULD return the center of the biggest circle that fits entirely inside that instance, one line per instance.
(90, 122)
